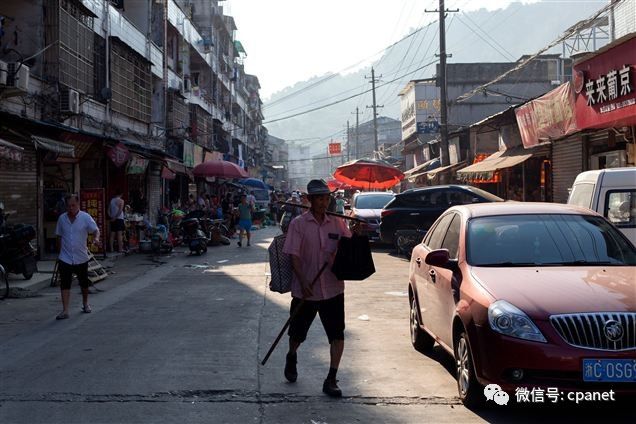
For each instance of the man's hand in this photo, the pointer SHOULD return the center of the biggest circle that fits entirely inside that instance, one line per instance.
(356, 228)
(96, 241)
(307, 291)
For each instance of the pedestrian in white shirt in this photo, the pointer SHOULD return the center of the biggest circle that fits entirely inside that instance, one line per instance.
(72, 230)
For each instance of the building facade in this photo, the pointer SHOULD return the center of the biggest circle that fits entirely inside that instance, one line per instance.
(98, 98)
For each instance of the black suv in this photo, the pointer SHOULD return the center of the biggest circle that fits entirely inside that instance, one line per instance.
(418, 208)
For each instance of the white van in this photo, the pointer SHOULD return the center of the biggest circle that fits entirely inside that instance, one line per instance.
(611, 193)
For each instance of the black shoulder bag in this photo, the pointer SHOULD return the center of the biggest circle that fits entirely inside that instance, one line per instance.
(353, 259)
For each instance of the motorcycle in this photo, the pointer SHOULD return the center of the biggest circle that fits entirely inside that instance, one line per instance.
(17, 255)
(193, 236)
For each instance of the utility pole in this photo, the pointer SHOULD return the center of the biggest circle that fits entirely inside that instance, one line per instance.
(443, 154)
(375, 113)
(357, 124)
(348, 144)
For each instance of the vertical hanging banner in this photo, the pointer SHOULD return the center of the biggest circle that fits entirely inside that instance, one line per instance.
(92, 202)
(188, 154)
(197, 154)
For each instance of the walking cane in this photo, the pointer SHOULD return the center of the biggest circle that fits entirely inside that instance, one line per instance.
(291, 316)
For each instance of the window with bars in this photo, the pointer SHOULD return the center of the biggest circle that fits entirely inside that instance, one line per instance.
(131, 82)
(201, 126)
(71, 63)
(178, 113)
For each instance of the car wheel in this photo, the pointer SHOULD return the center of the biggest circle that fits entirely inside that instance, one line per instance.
(421, 340)
(471, 393)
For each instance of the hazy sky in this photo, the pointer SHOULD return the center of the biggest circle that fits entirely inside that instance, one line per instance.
(292, 40)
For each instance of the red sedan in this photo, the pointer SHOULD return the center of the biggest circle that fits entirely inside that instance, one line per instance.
(527, 295)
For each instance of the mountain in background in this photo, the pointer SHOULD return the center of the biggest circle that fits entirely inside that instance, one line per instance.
(503, 35)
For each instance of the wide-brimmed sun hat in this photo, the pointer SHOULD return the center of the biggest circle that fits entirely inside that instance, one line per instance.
(316, 187)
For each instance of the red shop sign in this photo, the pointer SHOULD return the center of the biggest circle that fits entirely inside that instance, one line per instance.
(606, 87)
(92, 202)
(335, 148)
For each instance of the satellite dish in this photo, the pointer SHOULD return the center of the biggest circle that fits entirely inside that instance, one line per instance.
(106, 93)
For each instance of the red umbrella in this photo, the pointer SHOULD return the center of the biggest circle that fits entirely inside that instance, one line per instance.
(219, 168)
(338, 185)
(369, 173)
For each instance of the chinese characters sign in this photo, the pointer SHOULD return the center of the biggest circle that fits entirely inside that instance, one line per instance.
(137, 165)
(606, 94)
(335, 148)
(92, 202)
(547, 117)
(606, 87)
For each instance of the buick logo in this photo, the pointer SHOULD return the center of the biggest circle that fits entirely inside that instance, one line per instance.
(613, 330)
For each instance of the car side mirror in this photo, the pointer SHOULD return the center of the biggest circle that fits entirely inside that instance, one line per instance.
(441, 259)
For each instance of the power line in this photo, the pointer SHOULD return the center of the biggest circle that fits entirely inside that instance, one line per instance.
(506, 55)
(346, 98)
(313, 85)
(573, 29)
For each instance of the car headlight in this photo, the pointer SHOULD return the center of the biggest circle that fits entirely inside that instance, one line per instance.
(507, 319)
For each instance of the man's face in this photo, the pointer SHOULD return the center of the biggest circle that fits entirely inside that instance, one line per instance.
(72, 206)
(320, 202)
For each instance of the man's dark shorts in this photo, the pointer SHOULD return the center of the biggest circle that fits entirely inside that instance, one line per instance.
(66, 274)
(331, 313)
(117, 225)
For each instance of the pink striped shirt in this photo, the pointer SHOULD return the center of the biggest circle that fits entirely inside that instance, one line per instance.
(316, 244)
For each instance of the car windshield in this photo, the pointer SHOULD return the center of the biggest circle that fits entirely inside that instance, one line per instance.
(546, 240)
(373, 201)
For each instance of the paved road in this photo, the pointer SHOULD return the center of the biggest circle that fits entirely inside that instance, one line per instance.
(182, 342)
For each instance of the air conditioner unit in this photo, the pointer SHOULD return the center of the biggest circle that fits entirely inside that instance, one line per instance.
(18, 76)
(69, 101)
(4, 72)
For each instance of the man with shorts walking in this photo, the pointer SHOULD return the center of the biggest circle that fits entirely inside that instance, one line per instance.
(72, 230)
(312, 240)
(245, 219)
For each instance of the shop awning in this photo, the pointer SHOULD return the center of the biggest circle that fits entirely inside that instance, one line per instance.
(10, 151)
(53, 146)
(499, 160)
(421, 168)
(179, 168)
(449, 168)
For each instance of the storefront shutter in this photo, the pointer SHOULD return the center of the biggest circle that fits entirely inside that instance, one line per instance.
(567, 163)
(18, 188)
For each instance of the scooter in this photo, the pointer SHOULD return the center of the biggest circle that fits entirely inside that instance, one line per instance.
(193, 235)
(17, 255)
